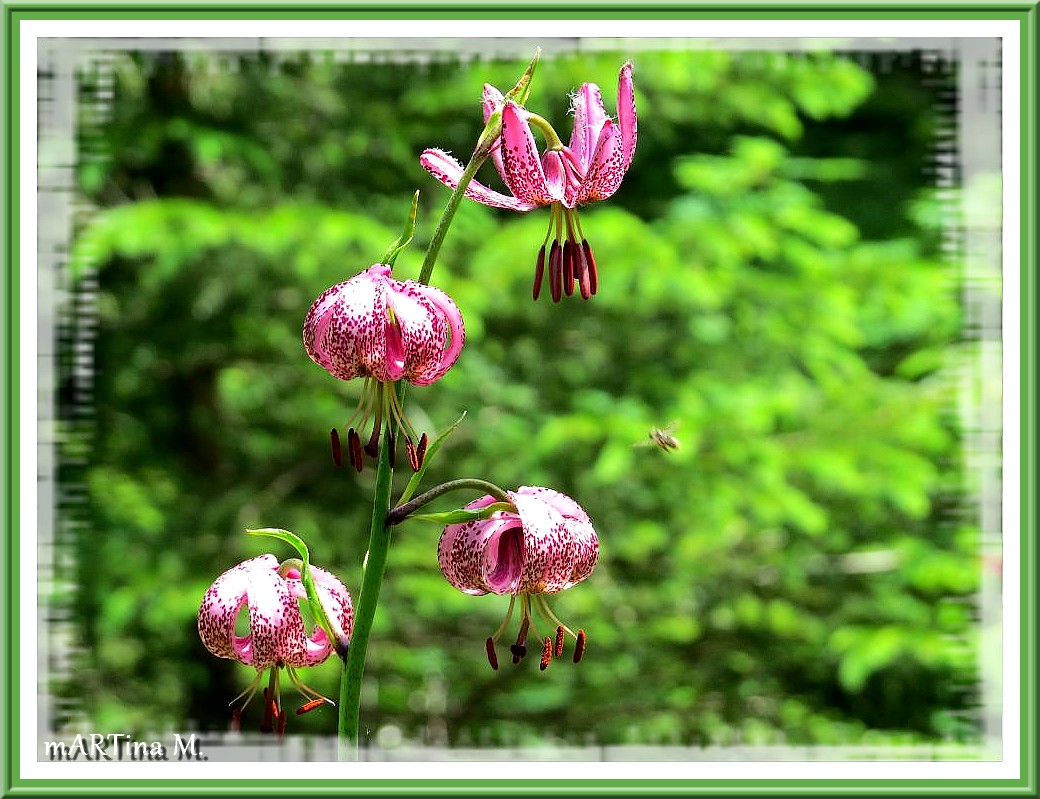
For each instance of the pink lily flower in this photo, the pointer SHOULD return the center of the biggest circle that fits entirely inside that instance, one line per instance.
(277, 638)
(544, 546)
(383, 330)
(565, 177)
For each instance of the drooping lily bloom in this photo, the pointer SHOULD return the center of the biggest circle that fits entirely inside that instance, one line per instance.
(383, 330)
(565, 177)
(277, 638)
(543, 546)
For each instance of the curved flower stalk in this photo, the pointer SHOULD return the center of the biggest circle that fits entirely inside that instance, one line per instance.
(546, 545)
(383, 330)
(565, 177)
(277, 638)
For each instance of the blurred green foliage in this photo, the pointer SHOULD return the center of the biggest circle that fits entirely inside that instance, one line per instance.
(794, 573)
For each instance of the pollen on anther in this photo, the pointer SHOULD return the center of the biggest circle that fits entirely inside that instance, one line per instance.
(420, 450)
(337, 452)
(547, 652)
(579, 647)
(307, 707)
(559, 641)
(492, 655)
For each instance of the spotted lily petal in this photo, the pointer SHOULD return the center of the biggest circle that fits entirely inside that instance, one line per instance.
(626, 104)
(337, 603)
(221, 605)
(607, 169)
(548, 544)
(276, 629)
(481, 557)
(491, 102)
(449, 172)
(522, 168)
(343, 325)
(589, 116)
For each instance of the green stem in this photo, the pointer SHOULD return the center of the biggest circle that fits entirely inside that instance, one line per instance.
(401, 512)
(448, 214)
(379, 537)
(364, 613)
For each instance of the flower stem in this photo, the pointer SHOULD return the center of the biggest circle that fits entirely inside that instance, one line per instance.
(364, 614)
(401, 512)
(433, 250)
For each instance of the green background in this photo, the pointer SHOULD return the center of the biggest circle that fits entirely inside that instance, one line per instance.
(801, 571)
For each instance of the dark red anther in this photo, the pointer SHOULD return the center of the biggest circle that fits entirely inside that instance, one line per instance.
(568, 267)
(547, 652)
(337, 452)
(556, 271)
(519, 652)
(307, 707)
(357, 458)
(489, 645)
(581, 271)
(579, 647)
(372, 447)
(280, 724)
(413, 455)
(559, 641)
(591, 261)
(539, 272)
(236, 719)
(420, 452)
(270, 712)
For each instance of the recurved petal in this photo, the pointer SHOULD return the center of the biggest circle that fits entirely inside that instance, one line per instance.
(222, 603)
(449, 171)
(586, 550)
(492, 100)
(483, 556)
(522, 168)
(415, 334)
(589, 116)
(336, 599)
(275, 624)
(607, 169)
(548, 548)
(344, 329)
(626, 103)
(451, 319)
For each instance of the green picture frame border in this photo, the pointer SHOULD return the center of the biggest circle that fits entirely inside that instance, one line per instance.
(15, 13)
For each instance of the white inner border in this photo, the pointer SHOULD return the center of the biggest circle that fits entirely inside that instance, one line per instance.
(618, 30)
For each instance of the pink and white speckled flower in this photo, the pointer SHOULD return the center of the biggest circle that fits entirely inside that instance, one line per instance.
(277, 637)
(384, 330)
(546, 545)
(564, 177)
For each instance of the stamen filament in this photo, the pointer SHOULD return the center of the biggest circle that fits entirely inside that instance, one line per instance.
(505, 623)
(544, 606)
